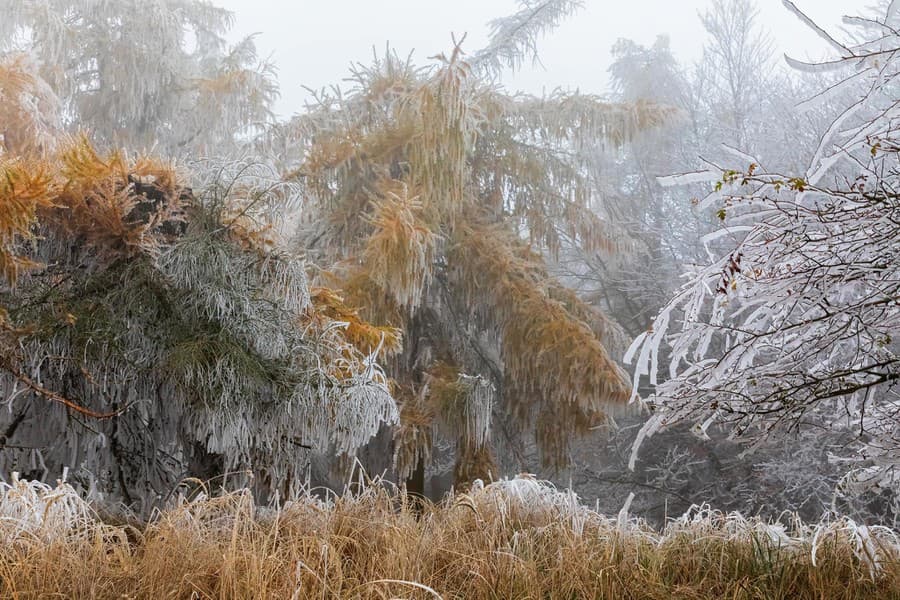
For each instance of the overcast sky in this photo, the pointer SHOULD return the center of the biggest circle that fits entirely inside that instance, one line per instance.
(313, 42)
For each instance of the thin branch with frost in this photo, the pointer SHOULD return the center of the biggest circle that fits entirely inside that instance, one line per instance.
(515, 38)
(841, 48)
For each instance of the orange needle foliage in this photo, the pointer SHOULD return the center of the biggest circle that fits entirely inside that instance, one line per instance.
(427, 185)
(25, 187)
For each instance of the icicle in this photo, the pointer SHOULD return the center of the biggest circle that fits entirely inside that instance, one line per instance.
(479, 403)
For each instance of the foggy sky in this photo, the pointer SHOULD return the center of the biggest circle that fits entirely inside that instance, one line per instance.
(313, 42)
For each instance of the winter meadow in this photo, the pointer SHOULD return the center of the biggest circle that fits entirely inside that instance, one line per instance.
(433, 337)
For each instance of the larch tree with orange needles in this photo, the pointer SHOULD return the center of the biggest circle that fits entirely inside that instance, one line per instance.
(435, 198)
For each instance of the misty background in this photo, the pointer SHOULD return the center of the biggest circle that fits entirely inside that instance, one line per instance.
(311, 42)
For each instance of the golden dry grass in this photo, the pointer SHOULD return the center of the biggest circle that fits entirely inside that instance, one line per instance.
(512, 539)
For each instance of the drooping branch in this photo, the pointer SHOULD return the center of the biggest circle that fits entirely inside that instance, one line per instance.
(52, 396)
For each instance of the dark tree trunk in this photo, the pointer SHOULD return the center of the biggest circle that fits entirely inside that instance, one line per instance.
(415, 485)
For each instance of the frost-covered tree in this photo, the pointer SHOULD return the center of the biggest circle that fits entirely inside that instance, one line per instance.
(150, 333)
(730, 97)
(667, 223)
(153, 335)
(30, 120)
(435, 198)
(160, 334)
(736, 60)
(795, 326)
(663, 226)
(142, 74)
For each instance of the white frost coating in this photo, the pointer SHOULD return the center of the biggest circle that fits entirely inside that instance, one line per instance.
(740, 154)
(711, 237)
(799, 320)
(823, 67)
(689, 178)
(833, 91)
(629, 354)
(700, 429)
(623, 513)
(478, 409)
(827, 141)
(531, 498)
(31, 510)
(892, 18)
(514, 38)
(653, 424)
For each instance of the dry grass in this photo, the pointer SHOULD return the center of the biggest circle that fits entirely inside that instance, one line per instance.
(512, 539)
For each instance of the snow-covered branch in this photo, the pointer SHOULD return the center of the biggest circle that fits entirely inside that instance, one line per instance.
(798, 322)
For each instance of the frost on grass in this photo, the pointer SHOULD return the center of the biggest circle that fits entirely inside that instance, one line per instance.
(32, 511)
(372, 538)
(524, 504)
